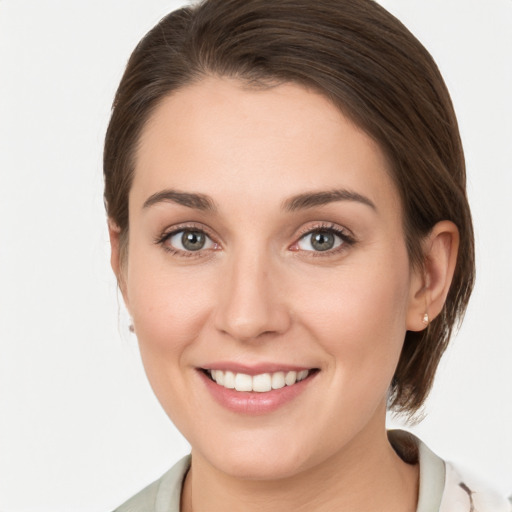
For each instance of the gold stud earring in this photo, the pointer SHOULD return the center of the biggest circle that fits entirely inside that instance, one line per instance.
(426, 319)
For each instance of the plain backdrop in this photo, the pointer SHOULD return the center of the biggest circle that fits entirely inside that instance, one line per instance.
(80, 430)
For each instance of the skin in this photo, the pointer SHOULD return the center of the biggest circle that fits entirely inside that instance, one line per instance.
(259, 292)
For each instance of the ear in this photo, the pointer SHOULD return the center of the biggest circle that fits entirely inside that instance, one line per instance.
(430, 285)
(114, 233)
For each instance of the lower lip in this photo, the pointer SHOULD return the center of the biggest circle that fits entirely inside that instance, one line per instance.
(251, 402)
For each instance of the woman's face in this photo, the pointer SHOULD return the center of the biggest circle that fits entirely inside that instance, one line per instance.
(266, 244)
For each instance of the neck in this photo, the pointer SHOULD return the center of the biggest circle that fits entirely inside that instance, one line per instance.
(367, 475)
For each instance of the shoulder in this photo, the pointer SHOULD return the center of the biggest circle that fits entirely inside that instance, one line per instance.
(464, 491)
(163, 495)
(444, 487)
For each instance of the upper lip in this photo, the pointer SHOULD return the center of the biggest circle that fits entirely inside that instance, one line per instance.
(254, 369)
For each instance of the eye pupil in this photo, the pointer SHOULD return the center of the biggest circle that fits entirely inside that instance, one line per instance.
(322, 241)
(193, 240)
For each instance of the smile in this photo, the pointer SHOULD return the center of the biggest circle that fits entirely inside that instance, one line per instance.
(260, 383)
(255, 390)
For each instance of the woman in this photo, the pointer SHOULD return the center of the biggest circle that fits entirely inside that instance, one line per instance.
(285, 188)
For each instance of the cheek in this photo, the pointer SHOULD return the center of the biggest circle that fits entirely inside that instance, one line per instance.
(169, 311)
(169, 307)
(358, 315)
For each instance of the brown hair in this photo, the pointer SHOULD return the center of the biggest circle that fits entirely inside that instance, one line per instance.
(368, 64)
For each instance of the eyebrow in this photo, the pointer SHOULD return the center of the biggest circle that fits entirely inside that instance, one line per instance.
(189, 199)
(299, 202)
(312, 199)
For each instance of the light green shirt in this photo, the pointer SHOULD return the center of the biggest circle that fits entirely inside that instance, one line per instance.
(441, 486)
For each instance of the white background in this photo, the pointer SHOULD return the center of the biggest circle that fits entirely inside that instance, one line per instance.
(79, 427)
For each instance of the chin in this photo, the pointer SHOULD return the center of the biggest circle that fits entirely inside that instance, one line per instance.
(258, 461)
(259, 468)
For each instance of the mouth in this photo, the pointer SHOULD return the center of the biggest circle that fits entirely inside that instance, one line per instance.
(259, 383)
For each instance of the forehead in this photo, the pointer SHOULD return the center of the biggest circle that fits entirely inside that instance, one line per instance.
(219, 137)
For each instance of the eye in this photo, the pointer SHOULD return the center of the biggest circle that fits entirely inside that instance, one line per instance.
(321, 240)
(189, 240)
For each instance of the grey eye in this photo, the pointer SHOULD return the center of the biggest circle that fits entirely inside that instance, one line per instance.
(193, 240)
(190, 240)
(322, 241)
(319, 240)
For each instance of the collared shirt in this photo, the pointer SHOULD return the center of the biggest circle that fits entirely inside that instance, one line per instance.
(442, 487)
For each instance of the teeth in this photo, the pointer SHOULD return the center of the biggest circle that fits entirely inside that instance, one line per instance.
(291, 378)
(243, 382)
(229, 379)
(302, 375)
(278, 380)
(260, 383)
(219, 377)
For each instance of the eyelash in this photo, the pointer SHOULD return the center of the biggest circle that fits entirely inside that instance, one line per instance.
(347, 240)
(162, 239)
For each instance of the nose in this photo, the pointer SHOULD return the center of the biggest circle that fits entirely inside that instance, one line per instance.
(251, 303)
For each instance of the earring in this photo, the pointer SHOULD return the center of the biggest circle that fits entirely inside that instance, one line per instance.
(426, 319)
(131, 328)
